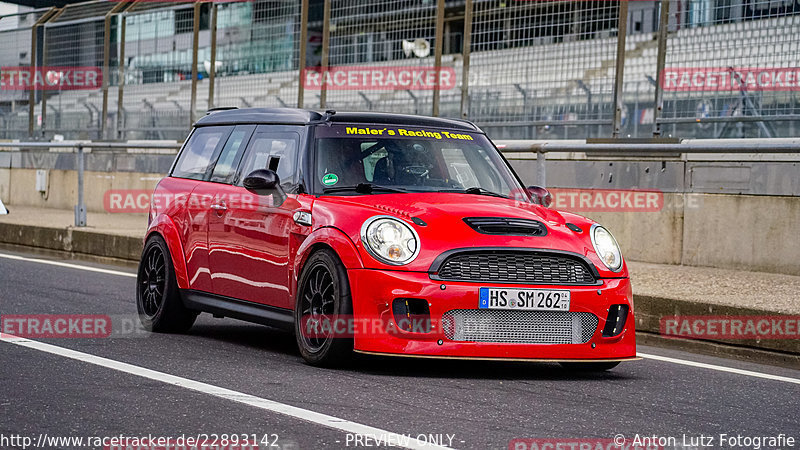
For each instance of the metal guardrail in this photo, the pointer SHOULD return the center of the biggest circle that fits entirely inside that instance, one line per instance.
(78, 147)
(540, 148)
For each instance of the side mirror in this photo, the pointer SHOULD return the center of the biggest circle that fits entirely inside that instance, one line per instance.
(540, 196)
(265, 182)
(262, 180)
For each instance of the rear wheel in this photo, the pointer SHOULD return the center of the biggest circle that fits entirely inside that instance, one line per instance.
(590, 366)
(158, 300)
(323, 296)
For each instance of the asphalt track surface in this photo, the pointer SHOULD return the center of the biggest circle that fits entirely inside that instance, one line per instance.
(231, 377)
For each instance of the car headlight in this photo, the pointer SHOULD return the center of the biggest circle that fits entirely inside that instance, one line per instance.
(390, 240)
(606, 248)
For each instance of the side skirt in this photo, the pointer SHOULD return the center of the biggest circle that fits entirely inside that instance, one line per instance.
(238, 309)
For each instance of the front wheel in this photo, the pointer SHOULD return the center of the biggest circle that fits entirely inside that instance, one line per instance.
(589, 366)
(158, 300)
(323, 298)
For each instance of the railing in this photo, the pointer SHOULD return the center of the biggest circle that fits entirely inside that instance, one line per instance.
(78, 148)
(629, 148)
(539, 148)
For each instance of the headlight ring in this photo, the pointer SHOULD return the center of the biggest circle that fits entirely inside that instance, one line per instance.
(606, 248)
(390, 240)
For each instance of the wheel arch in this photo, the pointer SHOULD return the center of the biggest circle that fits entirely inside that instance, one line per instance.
(163, 227)
(330, 238)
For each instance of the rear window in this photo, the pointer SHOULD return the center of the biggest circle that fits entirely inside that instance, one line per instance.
(196, 157)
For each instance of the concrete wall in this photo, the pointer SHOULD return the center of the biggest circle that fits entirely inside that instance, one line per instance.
(20, 185)
(648, 236)
(709, 217)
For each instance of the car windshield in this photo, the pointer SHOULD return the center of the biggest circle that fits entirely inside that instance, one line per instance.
(383, 159)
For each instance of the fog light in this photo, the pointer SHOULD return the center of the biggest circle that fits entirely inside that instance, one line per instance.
(615, 322)
(412, 315)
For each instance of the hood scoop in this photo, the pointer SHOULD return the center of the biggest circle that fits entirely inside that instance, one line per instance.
(508, 226)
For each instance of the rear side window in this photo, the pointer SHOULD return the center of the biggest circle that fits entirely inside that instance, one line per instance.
(272, 150)
(196, 157)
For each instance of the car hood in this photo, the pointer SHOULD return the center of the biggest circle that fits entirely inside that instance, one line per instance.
(444, 227)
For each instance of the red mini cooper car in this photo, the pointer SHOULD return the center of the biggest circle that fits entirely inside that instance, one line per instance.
(381, 234)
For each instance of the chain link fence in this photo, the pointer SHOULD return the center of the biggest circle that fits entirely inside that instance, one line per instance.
(157, 72)
(520, 69)
(382, 57)
(731, 69)
(73, 48)
(258, 45)
(546, 64)
(16, 40)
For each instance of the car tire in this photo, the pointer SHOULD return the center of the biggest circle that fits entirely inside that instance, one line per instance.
(589, 366)
(158, 300)
(323, 290)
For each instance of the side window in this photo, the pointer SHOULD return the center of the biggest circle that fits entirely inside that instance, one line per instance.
(195, 159)
(276, 151)
(225, 169)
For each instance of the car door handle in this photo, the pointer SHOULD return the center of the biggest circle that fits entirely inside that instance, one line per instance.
(219, 207)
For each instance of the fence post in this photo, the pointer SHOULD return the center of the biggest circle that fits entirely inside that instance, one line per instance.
(195, 45)
(301, 63)
(106, 62)
(541, 168)
(437, 58)
(121, 80)
(622, 32)
(465, 53)
(212, 71)
(80, 208)
(43, 101)
(326, 40)
(34, 45)
(663, 29)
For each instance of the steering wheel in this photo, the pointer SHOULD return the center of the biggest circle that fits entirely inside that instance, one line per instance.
(418, 171)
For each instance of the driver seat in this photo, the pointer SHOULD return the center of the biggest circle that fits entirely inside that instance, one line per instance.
(381, 173)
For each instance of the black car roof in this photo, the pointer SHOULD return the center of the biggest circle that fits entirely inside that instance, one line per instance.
(294, 116)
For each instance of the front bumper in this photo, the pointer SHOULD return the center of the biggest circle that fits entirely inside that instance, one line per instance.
(373, 292)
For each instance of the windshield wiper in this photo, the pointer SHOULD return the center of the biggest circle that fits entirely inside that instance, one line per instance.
(477, 191)
(362, 188)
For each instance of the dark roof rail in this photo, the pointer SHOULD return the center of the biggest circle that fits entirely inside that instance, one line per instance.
(221, 108)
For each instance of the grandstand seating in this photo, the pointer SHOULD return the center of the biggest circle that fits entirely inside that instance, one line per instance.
(500, 80)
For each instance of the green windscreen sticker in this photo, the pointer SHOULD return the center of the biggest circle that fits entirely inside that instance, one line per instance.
(330, 179)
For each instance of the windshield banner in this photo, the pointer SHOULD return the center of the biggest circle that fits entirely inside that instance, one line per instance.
(368, 131)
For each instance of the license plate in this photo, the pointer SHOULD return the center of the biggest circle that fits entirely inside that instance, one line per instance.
(524, 299)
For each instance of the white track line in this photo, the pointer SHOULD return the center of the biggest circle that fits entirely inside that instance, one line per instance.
(71, 266)
(720, 368)
(336, 423)
(643, 355)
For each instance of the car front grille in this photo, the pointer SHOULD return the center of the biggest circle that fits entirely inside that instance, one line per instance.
(515, 267)
(519, 327)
